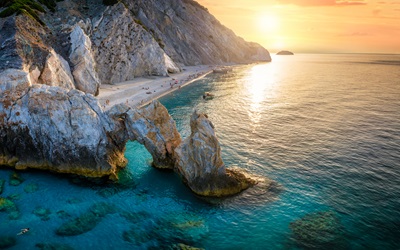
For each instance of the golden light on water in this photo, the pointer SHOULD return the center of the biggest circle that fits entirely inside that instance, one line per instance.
(261, 85)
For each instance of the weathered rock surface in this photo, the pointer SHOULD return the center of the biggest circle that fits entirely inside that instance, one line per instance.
(14, 80)
(200, 164)
(66, 131)
(124, 49)
(153, 127)
(57, 72)
(52, 128)
(190, 35)
(83, 63)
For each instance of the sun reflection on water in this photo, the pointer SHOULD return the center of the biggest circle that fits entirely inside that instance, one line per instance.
(261, 85)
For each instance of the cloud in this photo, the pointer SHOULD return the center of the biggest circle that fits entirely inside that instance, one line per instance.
(355, 33)
(323, 2)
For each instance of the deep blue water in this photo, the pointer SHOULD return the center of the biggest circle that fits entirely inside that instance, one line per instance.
(326, 128)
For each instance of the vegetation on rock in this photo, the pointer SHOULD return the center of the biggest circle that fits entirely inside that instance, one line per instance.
(28, 7)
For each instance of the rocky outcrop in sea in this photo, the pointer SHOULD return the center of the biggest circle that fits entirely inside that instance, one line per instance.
(53, 61)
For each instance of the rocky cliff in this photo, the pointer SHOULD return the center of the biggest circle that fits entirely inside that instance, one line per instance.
(98, 44)
(53, 59)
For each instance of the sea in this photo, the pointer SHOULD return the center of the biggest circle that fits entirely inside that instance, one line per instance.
(324, 128)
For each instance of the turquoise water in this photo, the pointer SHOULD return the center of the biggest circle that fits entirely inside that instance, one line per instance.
(326, 128)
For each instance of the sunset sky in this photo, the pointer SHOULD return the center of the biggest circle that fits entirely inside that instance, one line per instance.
(362, 26)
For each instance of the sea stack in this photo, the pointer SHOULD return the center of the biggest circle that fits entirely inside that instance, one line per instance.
(200, 164)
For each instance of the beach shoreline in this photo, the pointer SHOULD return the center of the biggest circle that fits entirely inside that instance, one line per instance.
(143, 90)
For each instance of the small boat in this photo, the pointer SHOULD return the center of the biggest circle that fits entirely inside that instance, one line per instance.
(208, 95)
(220, 71)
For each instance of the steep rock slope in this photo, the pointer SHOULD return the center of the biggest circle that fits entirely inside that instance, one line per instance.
(191, 35)
(115, 43)
(124, 49)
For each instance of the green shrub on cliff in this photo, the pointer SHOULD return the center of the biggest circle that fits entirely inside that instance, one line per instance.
(28, 7)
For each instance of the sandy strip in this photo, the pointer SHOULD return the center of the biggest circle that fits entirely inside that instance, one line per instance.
(143, 90)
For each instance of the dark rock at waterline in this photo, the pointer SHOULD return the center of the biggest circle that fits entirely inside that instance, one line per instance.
(7, 242)
(320, 230)
(15, 179)
(87, 221)
(53, 246)
(285, 53)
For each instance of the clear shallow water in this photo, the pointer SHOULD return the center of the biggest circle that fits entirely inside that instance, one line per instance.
(325, 127)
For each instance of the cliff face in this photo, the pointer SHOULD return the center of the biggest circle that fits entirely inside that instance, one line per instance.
(107, 44)
(191, 35)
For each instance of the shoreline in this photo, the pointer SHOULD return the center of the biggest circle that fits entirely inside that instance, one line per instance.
(141, 91)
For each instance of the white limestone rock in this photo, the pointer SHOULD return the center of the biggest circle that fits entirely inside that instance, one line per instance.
(83, 63)
(124, 48)
(52, 128)
(13, 80)
(199, 162)
(57, 72)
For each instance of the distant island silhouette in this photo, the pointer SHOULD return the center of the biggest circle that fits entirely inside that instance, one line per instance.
(285, 52)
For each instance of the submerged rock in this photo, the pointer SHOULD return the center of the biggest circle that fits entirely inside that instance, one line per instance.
(135, 217)
(200, 164)
(8, 206)
(53, 246)
(321, 230)
(87, 221)
(173, 228)
(181, 246)
(15, 179)
(2, 185)
(31, 188)
(7, 242)
(42, 213)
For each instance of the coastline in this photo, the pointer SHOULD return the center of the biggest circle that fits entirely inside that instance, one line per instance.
(142, 90)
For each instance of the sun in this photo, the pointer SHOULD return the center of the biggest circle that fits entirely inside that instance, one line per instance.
(268, 23)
